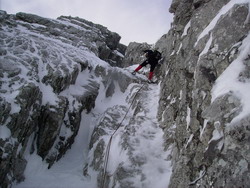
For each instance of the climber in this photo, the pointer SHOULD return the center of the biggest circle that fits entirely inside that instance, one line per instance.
(153, 58)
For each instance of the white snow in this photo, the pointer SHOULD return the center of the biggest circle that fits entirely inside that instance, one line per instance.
(48, 95)
(181, 94)
(173, 100)
(66, 22)
(118, 53)
(203, 128)
(189, 140)
(186, 29)
(68, 172)
(179, 48)
(208, 44)
(216, 134)
(150, 142)
(4, 132)
(188, 118)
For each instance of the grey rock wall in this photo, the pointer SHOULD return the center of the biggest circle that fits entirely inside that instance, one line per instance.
(189, 117)
(134, 53)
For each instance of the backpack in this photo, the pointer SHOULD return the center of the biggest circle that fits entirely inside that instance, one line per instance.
(157, 55)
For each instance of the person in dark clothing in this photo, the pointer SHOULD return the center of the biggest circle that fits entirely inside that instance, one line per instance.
(152, 58)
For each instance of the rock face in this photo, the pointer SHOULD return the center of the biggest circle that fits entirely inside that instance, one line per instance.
(134, 53)
(199, 116)
(79, 33)
(56, 74)
(51, 72)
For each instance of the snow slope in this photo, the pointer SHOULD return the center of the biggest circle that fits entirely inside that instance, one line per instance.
(68, 172)
(71, 81)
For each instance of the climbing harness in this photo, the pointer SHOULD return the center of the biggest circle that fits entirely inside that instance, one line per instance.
(106, 158)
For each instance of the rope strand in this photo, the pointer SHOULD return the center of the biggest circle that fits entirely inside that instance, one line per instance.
(106, 158)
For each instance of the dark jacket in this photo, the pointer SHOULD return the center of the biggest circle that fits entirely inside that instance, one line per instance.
(151, 57)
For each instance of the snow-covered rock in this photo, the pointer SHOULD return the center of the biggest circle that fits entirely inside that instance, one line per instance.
(204, 106)
(136, 156)
(51, 72)
(63, 97)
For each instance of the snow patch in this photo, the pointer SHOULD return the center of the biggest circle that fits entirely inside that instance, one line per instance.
(204, 127)
(179, 48)
(189, 140)
(49, 97)
(188, 118)
(4, 132)
(208, 44)
(186, 29)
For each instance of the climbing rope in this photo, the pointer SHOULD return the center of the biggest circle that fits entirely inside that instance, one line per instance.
(106, 158)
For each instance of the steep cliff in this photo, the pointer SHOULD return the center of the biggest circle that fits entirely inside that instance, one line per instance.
(51, 72)
(204, 105)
